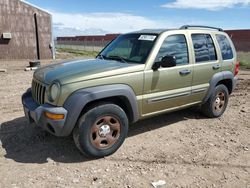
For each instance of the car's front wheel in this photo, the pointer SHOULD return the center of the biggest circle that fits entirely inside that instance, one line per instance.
(101, 130)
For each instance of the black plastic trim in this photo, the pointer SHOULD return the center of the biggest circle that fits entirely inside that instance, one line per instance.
(200, 26)
(79, 99)
(216, 79)
(35, 113)
(158, 99)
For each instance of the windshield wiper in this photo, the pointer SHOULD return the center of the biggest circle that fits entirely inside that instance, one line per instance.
(116, 57)
(101, 56)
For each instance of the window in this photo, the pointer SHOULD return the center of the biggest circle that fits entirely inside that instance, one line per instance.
(225, 47)
(204, 48)
(174, 45)
(132, 48)
(122, 49)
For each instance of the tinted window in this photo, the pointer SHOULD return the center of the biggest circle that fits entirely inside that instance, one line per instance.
(123, 49)
(211, 48)
(225, 47)
(204, 48)
(175, 45)
(133, 48)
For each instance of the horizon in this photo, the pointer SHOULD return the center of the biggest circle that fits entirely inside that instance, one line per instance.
(74, 18)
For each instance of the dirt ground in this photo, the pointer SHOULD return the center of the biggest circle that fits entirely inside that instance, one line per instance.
(185, 149)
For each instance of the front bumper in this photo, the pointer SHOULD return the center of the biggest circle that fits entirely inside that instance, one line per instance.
(35, 113)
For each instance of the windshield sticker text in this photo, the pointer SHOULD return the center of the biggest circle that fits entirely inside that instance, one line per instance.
(147, 37)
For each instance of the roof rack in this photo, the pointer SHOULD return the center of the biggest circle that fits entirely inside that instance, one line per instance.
(200, 26)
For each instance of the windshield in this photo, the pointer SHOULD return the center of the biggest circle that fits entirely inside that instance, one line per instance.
(133, 48)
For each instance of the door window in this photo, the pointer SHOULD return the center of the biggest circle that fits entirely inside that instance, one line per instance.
(174, 45)
(225, 47)
(204, 48)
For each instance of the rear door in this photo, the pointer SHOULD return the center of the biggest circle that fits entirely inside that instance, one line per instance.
(206, 63)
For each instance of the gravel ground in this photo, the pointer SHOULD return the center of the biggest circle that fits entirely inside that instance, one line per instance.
(185, 149)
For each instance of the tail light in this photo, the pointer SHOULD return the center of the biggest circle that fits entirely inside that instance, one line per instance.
(236, 68)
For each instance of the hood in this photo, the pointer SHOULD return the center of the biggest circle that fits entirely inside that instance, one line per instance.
(80, 70)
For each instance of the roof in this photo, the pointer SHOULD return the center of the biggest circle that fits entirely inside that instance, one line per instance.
(189, 27)
(30, 4)
(152, 31)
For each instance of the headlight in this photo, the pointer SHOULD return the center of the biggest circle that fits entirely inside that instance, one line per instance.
(54, 91)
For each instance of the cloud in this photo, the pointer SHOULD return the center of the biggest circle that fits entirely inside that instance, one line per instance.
(101, 23)
(211, 5)
(67, 24)
(68, 31)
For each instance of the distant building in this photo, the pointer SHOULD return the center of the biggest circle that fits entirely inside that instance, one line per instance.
(105, 38)
(241, 39)
(88, 43)
(25, 31)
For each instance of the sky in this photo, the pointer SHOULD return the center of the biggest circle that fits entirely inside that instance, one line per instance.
(96, 17)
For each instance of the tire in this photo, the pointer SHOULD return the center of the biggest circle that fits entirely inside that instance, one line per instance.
(34, 63)
(217, 102)
(101, 130)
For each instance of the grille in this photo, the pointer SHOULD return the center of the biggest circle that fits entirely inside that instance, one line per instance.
(38, 92)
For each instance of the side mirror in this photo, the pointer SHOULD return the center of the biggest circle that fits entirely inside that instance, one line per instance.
(166, 61)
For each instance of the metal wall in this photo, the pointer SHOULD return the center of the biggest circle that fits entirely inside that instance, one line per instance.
(17, 18)
(86, 43)
(241, 39)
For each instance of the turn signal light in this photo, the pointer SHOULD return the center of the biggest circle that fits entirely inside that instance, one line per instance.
(54, 116)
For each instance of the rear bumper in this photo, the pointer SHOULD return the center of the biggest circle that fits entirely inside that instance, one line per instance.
(234, 82)
(35, 113)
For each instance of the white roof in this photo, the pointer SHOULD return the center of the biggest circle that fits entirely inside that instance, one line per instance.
(24, 1)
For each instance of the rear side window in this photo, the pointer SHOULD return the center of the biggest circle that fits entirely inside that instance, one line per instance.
(204, 48)
(174, 45)
(225, 47)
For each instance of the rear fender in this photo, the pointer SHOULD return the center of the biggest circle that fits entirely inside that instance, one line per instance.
(224, 75)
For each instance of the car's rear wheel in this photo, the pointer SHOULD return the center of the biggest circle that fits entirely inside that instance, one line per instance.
(217, 102)
(101, 131)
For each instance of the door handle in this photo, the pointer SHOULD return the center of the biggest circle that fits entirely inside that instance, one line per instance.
(215, 67)
(185, 72)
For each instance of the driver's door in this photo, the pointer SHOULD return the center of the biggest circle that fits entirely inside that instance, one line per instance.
(167, 88)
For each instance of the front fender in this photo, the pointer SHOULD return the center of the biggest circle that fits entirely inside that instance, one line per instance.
(79, 99)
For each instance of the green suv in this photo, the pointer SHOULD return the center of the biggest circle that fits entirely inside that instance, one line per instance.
(138, 75)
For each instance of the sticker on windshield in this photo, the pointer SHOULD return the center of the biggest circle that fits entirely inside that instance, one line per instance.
(147, 37)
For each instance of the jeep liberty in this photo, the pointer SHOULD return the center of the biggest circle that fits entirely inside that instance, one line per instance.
(136, 76)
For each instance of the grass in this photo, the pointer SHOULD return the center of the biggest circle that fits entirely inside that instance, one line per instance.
(77, 52)
(244, 58)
